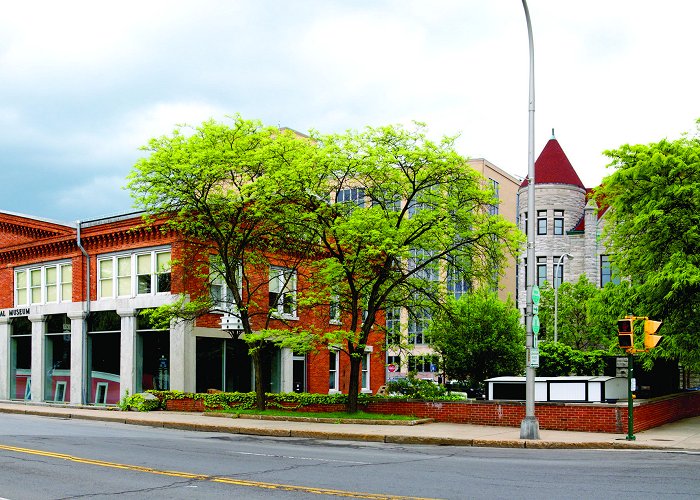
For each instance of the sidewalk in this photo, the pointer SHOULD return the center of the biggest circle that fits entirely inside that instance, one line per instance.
(681, 435)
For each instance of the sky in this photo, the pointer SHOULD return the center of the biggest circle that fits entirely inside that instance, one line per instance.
(84, 85)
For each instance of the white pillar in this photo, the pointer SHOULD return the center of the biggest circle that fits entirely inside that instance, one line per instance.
(38, 361)
(77, 348)
(127, 358)
(182, 362)
(5, 361)
(286, 370)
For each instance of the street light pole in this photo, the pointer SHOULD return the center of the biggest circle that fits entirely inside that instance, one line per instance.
(530, 427)
(556, 293)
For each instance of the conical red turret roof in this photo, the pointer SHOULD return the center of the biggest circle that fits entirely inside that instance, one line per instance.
(553, 167)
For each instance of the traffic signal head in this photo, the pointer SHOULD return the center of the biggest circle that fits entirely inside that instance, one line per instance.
(625, 333)
(651, 340)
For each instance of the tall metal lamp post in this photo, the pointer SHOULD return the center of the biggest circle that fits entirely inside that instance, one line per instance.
(556, 292)
(529, 426)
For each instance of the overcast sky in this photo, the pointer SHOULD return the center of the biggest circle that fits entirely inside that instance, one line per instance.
(85, 84)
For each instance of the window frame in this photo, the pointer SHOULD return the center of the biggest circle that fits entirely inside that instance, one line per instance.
(541, 219)
(333, 371)
(558, 228)
(38, 293)
(283, 290)
(541, 266)
(115, 278)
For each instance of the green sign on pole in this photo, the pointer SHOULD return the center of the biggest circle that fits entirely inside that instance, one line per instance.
(535, 324)
(535, 294)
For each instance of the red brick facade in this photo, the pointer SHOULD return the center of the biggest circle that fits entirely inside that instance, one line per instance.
(27, 242)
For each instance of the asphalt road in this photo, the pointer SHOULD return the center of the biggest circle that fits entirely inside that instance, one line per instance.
(52, 458)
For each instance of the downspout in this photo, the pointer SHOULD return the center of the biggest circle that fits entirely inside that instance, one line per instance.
(84, 396)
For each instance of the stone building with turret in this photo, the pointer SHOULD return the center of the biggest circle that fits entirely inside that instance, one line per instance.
(567, 228)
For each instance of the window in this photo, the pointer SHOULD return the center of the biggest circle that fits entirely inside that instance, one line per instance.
(393, 325)
(493, 209)
(457, 282)
(423, 363)
(606, 272)
(558, 222)
(418, 258)
(541, 222)
(417, 323)
(351, 195)
(365, 372)
(221, 295)
(283, 290)
(116, 274)
(541, 270)
(525, 269)
(525, 222)
(46, 284)
(333, 371)
(558, 272)
(35, 286)
(334, 309)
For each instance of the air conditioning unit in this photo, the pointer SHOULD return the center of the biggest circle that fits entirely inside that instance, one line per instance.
(231, 322)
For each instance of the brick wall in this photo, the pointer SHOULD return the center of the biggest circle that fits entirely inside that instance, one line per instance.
(606, 418)
(554, 416)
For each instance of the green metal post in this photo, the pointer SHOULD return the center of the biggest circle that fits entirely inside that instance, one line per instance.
(630, 401)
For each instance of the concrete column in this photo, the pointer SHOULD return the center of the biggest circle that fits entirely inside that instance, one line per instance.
(182, 362)
(78, 371)
(127, 359)
(5, 361)
(38, 361)
(286, 370)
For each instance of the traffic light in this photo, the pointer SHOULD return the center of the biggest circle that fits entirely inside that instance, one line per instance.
(651, 340)
(625, 333)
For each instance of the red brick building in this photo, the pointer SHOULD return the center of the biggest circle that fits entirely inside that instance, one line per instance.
(58, 346)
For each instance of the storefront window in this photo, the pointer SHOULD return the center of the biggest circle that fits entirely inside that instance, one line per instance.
(21, 358)
(57, 358)
(104, 348)
(152, 357)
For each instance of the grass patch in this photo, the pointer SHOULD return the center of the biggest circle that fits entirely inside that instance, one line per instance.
(335, 415)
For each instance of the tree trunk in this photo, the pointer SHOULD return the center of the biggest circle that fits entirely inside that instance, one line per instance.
(259, 386)
(354, 386)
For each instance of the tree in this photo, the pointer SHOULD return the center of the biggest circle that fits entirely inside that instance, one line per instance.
(653, 230)
(212, 185)
(557, 360)
(395, 214)
(478, 337)
(573, 317)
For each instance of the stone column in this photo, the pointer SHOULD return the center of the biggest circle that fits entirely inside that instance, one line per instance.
(5, 361)
(38, 361)
(78, 351)
(182, 363)
(127, 359)
(286, 370)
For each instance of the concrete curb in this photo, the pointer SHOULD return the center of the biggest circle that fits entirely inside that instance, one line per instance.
(213, 426)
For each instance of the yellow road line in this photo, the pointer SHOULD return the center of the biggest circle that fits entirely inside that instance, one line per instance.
(204, 477)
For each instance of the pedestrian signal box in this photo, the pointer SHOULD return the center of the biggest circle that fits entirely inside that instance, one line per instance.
(625, 333)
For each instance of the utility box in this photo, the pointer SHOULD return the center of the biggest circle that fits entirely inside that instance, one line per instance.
(559, 389)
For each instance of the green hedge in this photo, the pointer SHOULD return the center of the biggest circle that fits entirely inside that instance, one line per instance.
(246, 400)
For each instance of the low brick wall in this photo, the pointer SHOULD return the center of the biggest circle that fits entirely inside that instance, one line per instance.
(587, 417)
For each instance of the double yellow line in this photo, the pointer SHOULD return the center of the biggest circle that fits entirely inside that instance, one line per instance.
(204, 477)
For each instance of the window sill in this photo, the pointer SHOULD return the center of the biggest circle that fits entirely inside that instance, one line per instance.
(333, 391)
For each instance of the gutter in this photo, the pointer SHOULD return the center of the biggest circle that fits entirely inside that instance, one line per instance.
(84, 395)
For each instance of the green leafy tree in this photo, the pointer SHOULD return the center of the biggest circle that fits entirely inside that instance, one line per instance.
(478, 337)
(212, 185)
(557, 360)
(575, 323)
(393, 210)
(653, 231)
